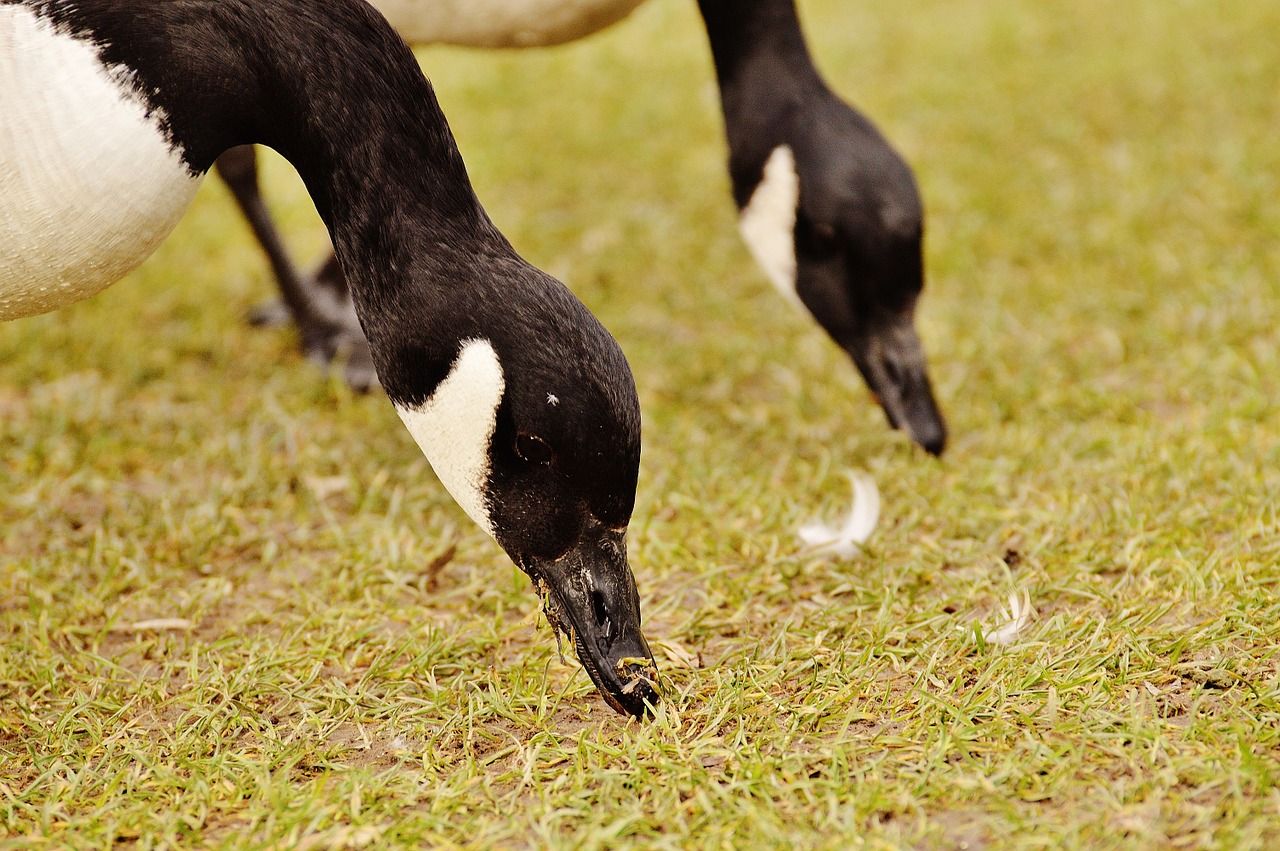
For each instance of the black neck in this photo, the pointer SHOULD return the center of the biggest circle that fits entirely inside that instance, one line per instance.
(329, 85)
(762, 62)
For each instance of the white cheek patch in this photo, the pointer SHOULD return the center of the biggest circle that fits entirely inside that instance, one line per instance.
(768, 221)
(455, 426)
(89, 185)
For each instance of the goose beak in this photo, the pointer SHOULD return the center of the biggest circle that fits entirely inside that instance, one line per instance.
(891, 360)
(590, 596)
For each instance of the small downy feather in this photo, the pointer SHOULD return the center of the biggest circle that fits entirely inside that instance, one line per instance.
(844, 541)
(1012, 622)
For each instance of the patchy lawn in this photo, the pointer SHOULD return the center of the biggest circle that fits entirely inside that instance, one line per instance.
(345, 661)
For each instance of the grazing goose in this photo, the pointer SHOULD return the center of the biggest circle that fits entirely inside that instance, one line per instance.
(113, 110)
(828, 208)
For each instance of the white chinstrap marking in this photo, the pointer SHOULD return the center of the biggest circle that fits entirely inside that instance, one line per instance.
(90, 184)
(768, 221)
(455, 426)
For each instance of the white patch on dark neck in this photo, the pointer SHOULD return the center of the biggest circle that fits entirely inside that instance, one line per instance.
(455, 426)
(768, 221)
(90, 184)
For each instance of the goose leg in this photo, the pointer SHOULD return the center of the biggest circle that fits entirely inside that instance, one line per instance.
(322, 306)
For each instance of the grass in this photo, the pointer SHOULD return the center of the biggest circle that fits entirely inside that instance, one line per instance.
(363, 668)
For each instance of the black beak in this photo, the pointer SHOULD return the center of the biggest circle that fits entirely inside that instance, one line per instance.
(590, 596)
(890, 358)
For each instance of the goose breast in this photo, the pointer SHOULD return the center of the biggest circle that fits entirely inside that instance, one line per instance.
(501, 23)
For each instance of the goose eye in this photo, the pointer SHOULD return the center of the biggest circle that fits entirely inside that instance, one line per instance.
(533, 449)
(817, 239)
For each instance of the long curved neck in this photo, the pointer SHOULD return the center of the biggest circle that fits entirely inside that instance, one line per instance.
(761, 59)
(329, 85)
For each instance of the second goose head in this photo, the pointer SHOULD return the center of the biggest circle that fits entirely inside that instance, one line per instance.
(828, 208)
(834, 217)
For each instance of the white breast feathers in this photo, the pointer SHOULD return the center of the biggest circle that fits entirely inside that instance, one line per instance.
(89, 184)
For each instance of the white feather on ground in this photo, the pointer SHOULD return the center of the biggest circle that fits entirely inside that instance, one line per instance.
(154, 625)
(1012, 622)
(844, 541)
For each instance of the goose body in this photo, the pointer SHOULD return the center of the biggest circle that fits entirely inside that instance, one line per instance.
(827, 207)
(502, 23)
(90, 185)
(111, 111)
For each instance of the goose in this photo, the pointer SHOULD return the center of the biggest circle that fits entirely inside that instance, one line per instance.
(522, 402)
(828, 208)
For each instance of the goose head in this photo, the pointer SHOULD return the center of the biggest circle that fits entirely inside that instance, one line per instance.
(833, 215)
(527, 411)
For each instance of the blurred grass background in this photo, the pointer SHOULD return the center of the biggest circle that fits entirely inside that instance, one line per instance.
(363, 667)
